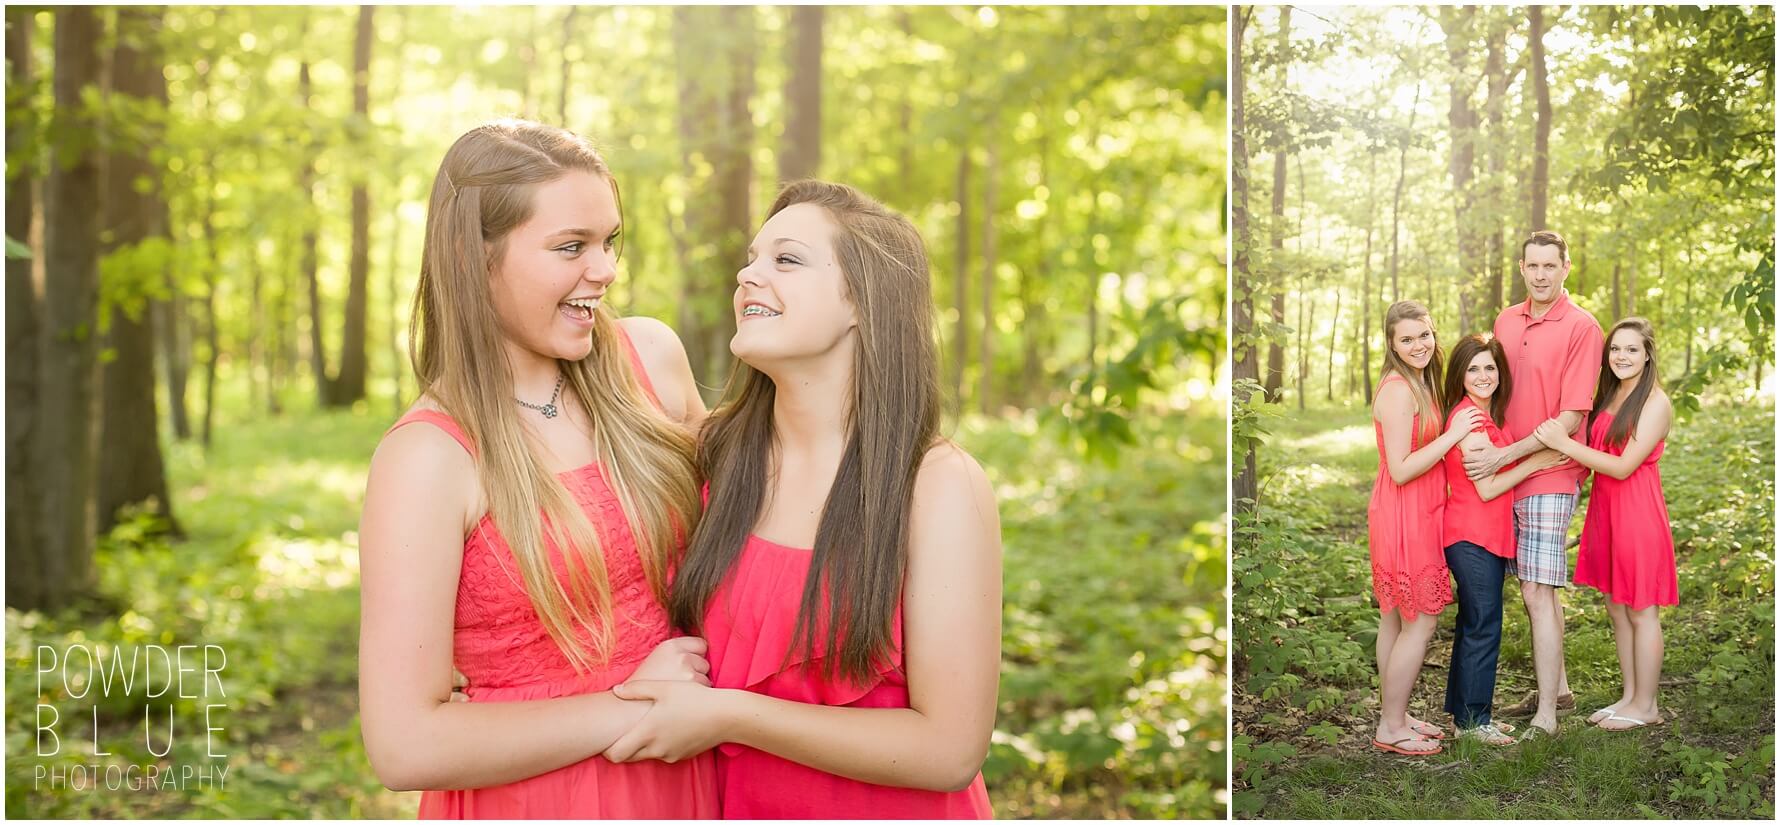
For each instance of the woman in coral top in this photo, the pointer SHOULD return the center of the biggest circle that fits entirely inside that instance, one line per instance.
(1478, 532)
(534, 401)
(1404, 516)
(1627, 550)
(847, 572)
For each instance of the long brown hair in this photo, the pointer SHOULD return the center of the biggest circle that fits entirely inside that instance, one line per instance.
(482, 192)
(1466, 349)
(1426, 387)
(856, 570)
(1625, 422)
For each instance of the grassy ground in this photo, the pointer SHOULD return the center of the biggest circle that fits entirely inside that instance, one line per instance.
(1305, 699)
(1111, 693)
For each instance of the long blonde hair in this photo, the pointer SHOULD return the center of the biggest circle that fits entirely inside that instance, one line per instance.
(1425, 388)
(483, 190)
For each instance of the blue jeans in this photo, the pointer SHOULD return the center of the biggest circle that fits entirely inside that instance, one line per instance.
(1477, 637)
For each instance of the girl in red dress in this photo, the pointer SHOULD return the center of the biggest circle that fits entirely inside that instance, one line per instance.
(1627, 550)
(534, 401)
(1403, 519)
(847, 571)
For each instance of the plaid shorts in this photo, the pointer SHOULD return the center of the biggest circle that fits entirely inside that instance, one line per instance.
(1541, 526)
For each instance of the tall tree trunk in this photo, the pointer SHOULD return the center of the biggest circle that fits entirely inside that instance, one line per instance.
(24, 308)
(212, 268)
(1496, 78)
(1541, 132)
(1461, 122)
(906, 161)
(131, 470)
(562, 100)
(1306, 315)
(1282, 151)
(714, 61)
(801, 154)
(1687, 307)
(1397, 200)
(392, 296)
(68, 416)
(174, 339)
(961, 277)
(318, 359)
(349, 386)
(1032, 310)
(1243, 489)
(1366, 295)
(986, 380)
(1335, 331)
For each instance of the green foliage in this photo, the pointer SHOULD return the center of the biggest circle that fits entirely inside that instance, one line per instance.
(1305, 695)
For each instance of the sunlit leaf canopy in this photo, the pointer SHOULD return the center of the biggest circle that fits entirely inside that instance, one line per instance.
(1660, 176)
(1104, 128)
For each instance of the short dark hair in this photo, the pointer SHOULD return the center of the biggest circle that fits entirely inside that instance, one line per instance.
(1546, 237)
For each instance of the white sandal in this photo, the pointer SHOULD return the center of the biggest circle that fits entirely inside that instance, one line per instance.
(1636, 723)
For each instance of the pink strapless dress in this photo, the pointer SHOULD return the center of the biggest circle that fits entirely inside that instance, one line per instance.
(1628, 551)
(503, 649)
(750, 625)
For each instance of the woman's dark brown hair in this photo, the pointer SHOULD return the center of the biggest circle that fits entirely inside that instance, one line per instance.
(856, 570)
(1467, 349)
(1626, 421)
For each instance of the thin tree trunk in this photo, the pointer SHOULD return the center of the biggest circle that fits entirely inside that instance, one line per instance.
(1282, 151)
(1496, 78)
(1032, 311)
(960, 277)
(1397, 200)
(318, 360)
(1541, 132)
(562, 100)
(1687, 308)
(349, 385)
(68, 416)
(1243, 489)
(986, 380)
(1366, 296)
(1461, 122)
(24, 309)
(801, 154)
(130, 467)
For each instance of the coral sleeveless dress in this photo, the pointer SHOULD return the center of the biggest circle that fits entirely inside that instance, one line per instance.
(1487, 524)
(503, 649)
(749, 626)
(1627, 550)
(1403, 526)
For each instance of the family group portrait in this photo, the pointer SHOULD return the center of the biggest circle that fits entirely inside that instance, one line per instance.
(1503, 412)
(616, 412)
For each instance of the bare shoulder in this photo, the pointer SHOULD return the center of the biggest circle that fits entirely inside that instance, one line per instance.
(952, 487)
(421, 462)
(655, 341)
(1392, 397)
(1659, 405)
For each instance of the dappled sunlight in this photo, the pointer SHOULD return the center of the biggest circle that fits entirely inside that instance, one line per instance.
(1331, 442)
(1298, 478)
(305, 564)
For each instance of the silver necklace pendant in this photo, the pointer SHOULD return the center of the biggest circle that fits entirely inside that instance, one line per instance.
(547, 410)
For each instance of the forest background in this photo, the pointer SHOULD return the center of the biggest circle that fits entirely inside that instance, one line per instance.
(214, 218)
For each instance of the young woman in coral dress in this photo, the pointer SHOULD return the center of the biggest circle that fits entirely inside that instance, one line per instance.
(1627, 550)
(847, 572)
(1477, 530)
(521, 520)
(1403, 519)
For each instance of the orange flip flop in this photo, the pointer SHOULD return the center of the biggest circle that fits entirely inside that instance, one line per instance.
(1392, 747)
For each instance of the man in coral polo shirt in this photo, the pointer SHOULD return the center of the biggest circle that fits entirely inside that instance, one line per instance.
(1554, 356)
